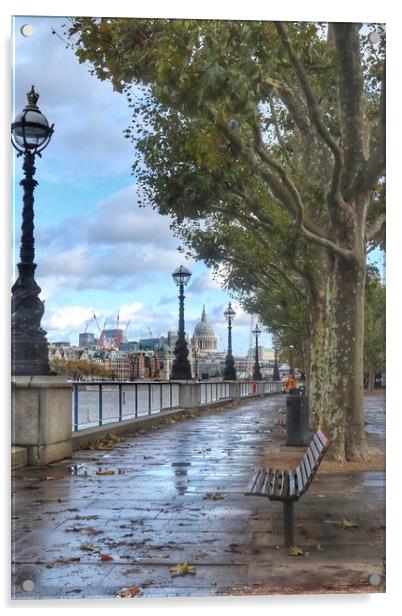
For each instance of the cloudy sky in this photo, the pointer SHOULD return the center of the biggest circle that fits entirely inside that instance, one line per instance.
(96, 250)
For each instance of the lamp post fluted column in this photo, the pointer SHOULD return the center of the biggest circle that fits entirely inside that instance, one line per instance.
(229, 372)
(257, 376)
(181, 368)
(29, 348)
(275, 374)
(291, 348)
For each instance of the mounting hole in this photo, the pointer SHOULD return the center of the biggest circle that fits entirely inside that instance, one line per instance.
(374, 579)
(374, 38)
(27, 30)
(28, 585)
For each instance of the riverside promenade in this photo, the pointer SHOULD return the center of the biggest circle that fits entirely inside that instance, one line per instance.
(115, 521)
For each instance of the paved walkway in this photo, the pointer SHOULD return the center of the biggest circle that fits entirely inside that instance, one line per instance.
(108, 520)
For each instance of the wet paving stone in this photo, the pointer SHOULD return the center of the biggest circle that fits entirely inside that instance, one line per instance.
(105, 520)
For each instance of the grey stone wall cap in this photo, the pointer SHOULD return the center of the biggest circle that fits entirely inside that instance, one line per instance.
(38, 382)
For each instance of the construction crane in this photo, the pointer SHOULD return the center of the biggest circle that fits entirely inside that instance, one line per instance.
(150, 333)
(117, 339)
(101, 342)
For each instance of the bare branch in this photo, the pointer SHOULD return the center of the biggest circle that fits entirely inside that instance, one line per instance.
(375, 165)
(314, 110)
(376, 228)
(350, 93)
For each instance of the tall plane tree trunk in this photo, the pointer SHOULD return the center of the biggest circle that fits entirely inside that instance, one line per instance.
(343, 412)
(317, 367)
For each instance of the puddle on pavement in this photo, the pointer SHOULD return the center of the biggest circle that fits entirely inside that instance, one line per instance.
(83, 470)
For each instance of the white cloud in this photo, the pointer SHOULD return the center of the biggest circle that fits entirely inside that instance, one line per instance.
(62, 320)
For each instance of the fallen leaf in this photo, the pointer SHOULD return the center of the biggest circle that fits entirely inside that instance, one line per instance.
(72, 559)
(319, 548)
(105, 557)
(110, 472)
(277, 547)
(132, 570)
(182, 569)
(345, 524)
(87, 547)
(132, 591)
(295, 551)
(91, 532)
(49, 478)
(214, 496)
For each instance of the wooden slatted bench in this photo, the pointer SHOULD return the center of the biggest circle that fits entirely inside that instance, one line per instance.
(289, 485)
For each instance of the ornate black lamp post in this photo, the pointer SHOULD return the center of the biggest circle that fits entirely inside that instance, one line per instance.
(257, 376)
(181, 368)
(30, 134)
(275, 374)
(229, 372)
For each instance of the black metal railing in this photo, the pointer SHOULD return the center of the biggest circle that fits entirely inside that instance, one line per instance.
(100, 403)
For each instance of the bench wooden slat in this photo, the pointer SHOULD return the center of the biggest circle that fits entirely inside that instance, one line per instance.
(272, 482)
(260, 481)
(253, 480)
(315, 451)
(284, 487)
(291, 481)
(299, 480)
(323, 438)
(276, 488)
(303, 473)
(311, 459)
(265, 486)
(318, 444)
(307, 466)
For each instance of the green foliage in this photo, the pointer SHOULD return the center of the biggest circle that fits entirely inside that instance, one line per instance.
(374, 325)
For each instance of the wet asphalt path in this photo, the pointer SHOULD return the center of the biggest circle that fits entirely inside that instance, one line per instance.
(108, 520)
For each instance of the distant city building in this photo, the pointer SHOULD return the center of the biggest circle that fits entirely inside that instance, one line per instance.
(204, 339)
(113, 336)
(130, 346)
(61, 344)
(172, 338)
(151, 343)
(264, 354)
(86, 340)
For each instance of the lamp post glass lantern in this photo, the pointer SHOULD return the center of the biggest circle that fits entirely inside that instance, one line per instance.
(30, 134)
(229, 372)
(181, 368)
(257, 376)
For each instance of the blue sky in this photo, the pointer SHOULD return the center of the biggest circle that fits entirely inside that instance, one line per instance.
(96, 250)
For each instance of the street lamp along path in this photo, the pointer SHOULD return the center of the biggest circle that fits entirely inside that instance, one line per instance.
(181, 368)
(30, 134)
(230, 372)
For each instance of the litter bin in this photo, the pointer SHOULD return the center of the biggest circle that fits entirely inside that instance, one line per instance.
(296, 418)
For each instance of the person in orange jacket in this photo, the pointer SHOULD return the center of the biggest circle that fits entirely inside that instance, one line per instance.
(290, 383)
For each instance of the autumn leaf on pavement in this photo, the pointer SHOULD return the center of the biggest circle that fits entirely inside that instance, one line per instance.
(87, 547)
(348, 524)
(110, 472)
(105, 557)
(132, 591)
(182, 569)
(214, 496)
(295, 551)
